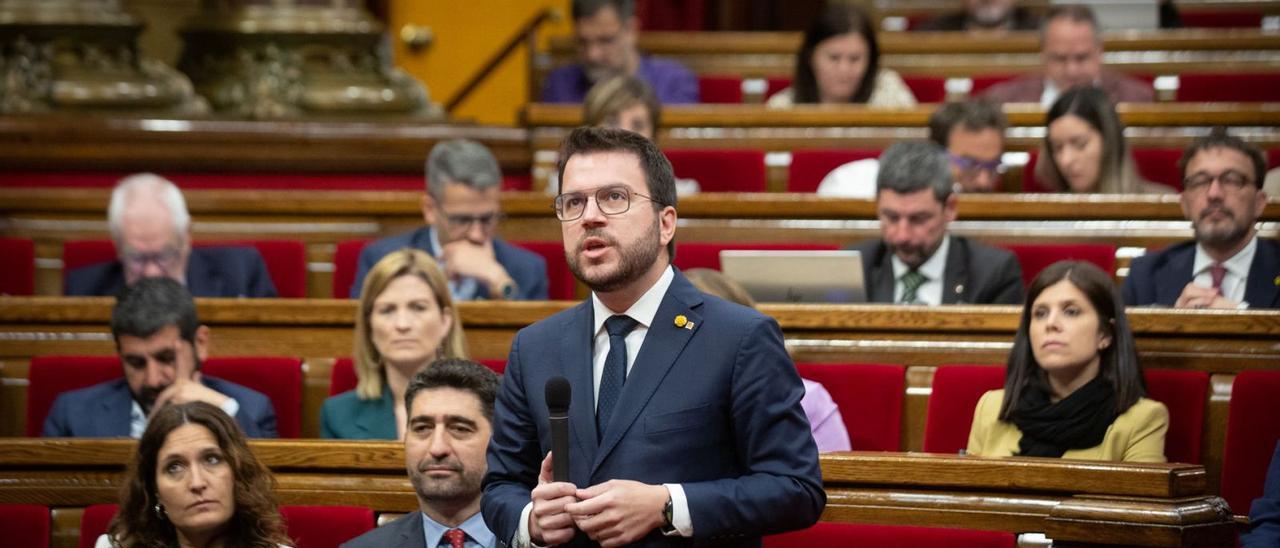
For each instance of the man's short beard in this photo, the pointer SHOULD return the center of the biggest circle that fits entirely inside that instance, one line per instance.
(461, 489)
(1225, 238)
(634, 262)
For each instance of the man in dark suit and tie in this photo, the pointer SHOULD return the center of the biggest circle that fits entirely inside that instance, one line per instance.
(449, 408)
(1227, 265)
(161, 343)
(685, 419)
(461, 207)
(916, 261)
(151, 227)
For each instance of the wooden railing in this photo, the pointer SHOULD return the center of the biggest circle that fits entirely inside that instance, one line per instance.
(1079, 503)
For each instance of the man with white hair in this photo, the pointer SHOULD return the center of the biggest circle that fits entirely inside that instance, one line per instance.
(151, 229)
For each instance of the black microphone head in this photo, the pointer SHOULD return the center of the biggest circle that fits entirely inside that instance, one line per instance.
(558, 394)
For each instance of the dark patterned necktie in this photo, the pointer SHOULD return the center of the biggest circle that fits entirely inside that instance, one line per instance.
(615, 369)
(911, 281)
(455, 537)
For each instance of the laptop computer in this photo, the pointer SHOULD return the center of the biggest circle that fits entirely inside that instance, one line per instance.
(797, 276)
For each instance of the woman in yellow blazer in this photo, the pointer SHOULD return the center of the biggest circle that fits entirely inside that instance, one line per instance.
(1073, 387)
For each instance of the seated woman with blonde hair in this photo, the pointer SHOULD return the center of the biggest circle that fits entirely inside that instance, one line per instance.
(1073, 387)
(406, 320)
(194, 483)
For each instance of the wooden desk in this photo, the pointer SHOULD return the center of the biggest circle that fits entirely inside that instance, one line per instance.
(1076, 502)
(1219, 343)
(961, 54)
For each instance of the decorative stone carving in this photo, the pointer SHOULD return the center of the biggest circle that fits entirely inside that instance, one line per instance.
(272, 59)
(82, 56)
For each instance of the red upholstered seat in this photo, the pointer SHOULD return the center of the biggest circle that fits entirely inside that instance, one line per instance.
(25, 525)
(859, 534)
(498, 365)
(1231, 86)
(49, 376)
(1185, 393)
(1273, 158)
(346, 255)
(18, 277)
(720, 170)
(561, 285)
(774, 84)
(343, 375)
(286, 260)
(707, 255)
(720, 88)
(280, 379)
(809, 167)
(869, 397)
(983, 81)
(325, 526)
(956, 391)
(1221, 19)
(927, 89)
(1035, 257)
(94, 522)
(1252, 431)
(1158, 165)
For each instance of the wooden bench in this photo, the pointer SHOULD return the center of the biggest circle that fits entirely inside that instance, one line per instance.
(1074, 502)
(1219, 343)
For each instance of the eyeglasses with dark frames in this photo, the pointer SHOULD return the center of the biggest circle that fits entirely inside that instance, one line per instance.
(612, 200)
(1230, 180)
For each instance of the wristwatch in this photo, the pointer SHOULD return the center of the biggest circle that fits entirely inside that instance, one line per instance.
(509, 291)
(668, 517)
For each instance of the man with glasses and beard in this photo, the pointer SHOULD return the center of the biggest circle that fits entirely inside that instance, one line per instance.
(1227, 265)
(916, 260)
(462, 209)
(692, 399)
(151, 229)
(449, 408)
(161, 344)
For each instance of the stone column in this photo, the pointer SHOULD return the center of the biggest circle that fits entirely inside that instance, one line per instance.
(271, 59)
(82, 56)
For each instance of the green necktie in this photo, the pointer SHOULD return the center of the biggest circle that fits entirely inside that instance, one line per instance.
(911, 281)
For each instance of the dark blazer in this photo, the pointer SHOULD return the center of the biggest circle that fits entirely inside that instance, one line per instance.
(1028, 88)
(346, 416)
(975, 273)
(211, 272)
(404, 532)
(102, 410)
(1264, 515)
(1158, 278)
(713, 406)
(1020, 19)
(527, 268)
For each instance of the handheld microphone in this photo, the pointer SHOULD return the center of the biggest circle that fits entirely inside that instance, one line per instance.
(558, 396)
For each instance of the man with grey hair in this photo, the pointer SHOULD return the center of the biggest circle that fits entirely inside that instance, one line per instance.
(916, 261)
(1071, 55)
(151, 228)
(462, 210)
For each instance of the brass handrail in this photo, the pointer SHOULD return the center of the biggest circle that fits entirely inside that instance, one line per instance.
(527, 33)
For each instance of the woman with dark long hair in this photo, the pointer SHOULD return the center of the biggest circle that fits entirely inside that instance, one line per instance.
(839, 63)
(1084, 149)
(195, 483)
(1073, 387)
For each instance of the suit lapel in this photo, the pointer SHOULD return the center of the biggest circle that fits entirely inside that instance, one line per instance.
(880, 276)
(411, 531)
(662, 345)
(204, 278)
(955, 277)
(115, 413)
(575, 355)
(1262, 289)
(1170, 281)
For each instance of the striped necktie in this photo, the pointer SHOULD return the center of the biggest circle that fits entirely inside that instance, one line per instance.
(911, 282)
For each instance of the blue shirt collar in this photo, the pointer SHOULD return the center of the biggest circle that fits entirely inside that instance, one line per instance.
(478, 533)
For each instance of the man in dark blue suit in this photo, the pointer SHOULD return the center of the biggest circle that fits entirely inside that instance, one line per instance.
(151, 227)
(1264, 514)
(462, 210)
(685, 424)
(1227, 265)
(161, 343)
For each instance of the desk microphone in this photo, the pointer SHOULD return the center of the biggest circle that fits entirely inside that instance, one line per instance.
(558, 395)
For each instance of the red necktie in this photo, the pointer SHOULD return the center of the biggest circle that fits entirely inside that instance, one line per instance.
(455, 536)
(1217, 272)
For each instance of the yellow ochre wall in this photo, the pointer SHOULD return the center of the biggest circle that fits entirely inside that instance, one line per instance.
(467, 33)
